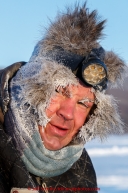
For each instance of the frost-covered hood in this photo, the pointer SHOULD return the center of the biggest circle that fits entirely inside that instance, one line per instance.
(77, 31)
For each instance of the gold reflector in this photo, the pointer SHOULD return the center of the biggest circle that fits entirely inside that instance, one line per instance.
(94, 74)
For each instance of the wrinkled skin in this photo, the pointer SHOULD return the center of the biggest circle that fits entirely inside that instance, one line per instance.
(68, 111)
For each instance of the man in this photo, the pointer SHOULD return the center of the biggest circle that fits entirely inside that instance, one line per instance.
(53, 104)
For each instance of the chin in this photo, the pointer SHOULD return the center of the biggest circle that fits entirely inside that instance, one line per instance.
(53, 146)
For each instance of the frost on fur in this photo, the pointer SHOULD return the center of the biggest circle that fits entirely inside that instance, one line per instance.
(38, 82)
(78, 30)
(105, 119)
(38, 87)
(117, 70)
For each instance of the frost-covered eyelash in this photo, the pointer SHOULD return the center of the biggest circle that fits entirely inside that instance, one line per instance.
(83, 101)
(87, 100)
(84, 104)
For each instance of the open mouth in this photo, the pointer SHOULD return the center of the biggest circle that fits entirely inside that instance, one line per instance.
(59, 131)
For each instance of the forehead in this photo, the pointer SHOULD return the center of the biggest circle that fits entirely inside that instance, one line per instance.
(81, 91)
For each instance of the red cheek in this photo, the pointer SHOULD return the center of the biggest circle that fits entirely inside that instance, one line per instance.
(81, 116)
(52, 108)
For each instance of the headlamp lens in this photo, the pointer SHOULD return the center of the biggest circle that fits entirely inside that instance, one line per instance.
(94, 74)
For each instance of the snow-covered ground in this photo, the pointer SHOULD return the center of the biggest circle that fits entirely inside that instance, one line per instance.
(110, 160)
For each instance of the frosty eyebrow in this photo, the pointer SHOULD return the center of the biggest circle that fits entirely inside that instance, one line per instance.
(64, 91)
(87, 100)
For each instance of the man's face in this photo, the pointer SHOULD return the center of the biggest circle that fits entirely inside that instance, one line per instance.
(67, 111)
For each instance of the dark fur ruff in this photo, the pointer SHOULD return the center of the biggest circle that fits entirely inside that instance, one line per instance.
(117, 69)
(76, 31)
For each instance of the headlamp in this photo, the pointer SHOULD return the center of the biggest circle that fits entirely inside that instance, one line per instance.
(94, 73)
(90, 69)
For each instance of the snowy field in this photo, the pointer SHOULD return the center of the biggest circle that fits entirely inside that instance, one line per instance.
(110, 160)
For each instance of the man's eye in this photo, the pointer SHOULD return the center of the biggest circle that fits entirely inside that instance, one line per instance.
(64, 91)
(83, 104)
(57, 90)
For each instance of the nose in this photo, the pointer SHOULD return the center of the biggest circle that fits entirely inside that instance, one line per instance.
(67, 109)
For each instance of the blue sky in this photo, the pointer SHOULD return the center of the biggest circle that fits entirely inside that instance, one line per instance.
(22, 22)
